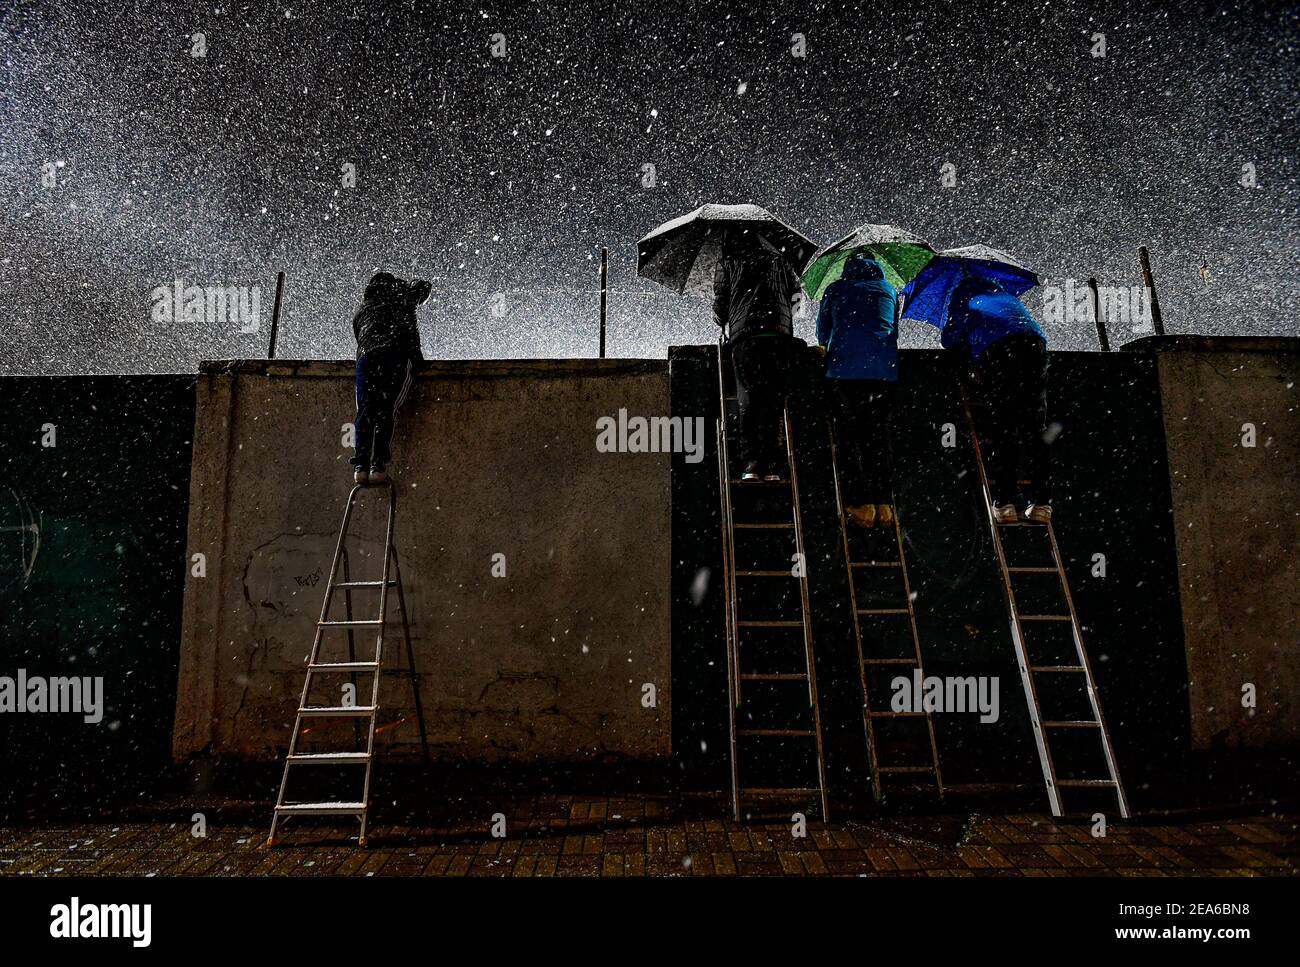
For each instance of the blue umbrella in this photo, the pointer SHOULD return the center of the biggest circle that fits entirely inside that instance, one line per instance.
(926, 297)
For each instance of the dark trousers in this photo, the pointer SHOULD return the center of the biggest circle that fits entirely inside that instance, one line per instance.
(383, 381)
(765, 368)
(1010, 383)
(862, 412)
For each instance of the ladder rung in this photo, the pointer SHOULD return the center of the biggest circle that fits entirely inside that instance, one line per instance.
(322, 808)
(337, 711)
(769, 624)
(763, 527)
(889, 661)
(896, 715)
(882, 611)
(1044, 617)
(764, 574)
(352, 623)
(1085, 782)
(328, 758)
(1072, 724)
(356, 585)
(874, 564)
(773, 677)
(345, 666)
(777, 791)
(804, 733)
(746, 483)
(1057, 668)
(883, 769)
(1033, 570)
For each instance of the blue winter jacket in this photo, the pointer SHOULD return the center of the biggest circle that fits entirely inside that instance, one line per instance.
(980, 313)
(858, 324)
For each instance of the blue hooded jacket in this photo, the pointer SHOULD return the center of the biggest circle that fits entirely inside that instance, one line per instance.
(980, 313)
(858, 323)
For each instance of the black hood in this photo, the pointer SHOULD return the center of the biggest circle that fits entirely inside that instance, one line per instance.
(862, 268)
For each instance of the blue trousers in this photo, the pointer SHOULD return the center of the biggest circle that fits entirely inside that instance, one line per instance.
(383, 382)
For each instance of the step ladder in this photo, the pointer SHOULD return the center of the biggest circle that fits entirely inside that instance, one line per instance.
(882, 749)
(1047, 730)
(747, 737)
(364, 717)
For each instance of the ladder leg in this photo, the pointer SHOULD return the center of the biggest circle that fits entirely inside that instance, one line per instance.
(410, 657)
(806, 613)
(352, 643)
(729, 583)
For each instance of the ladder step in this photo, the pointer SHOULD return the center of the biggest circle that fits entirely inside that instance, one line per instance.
(1072, 724)
(345, 666)
(1057, 668)
(769, 624)
(882, 611)
(354, 623)
(764, 574)
(1033, 570)
(798, 733)
(1044, 617)
(896, 715)
(874, 564)
(357, 585)
(774, 677)
(747, 483)
(322, 809)
(329, 758)
(763, 527)
(778, 791)
(914, 769)
(889, 661)
(337, 711)
(1086, 782)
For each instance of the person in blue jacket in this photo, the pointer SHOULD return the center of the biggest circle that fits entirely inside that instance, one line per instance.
(993, 334)
(857, 326)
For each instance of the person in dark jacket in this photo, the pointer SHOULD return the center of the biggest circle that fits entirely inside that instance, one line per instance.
(857, 327)
(754, 289)
(388, 346)
(993, 334)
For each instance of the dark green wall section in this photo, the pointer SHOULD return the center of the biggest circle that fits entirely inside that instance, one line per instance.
(92, 569)
(1113, 499)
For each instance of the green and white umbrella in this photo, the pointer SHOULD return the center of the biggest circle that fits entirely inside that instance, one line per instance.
(902, 254)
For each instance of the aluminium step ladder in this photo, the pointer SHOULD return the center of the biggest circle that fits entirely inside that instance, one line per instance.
(870, 659)
(750, 735)
(1049, 730)
(364, 717)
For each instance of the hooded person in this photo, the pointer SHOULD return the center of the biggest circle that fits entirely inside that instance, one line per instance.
(754, 289)
(994, 336)
(857, 328)
(388, 346)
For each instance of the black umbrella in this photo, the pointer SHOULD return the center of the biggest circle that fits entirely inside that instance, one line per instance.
(681, 254)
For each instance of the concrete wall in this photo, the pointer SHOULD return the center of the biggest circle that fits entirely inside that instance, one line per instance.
(1237, 523)
(546, 663)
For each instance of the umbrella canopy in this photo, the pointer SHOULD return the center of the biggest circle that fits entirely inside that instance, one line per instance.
(901, 253)
(926, 297)
(681, 254)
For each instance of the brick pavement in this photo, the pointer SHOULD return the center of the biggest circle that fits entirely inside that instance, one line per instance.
(555, 835)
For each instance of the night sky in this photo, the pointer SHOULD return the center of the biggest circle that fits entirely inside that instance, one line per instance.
(506, 175)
